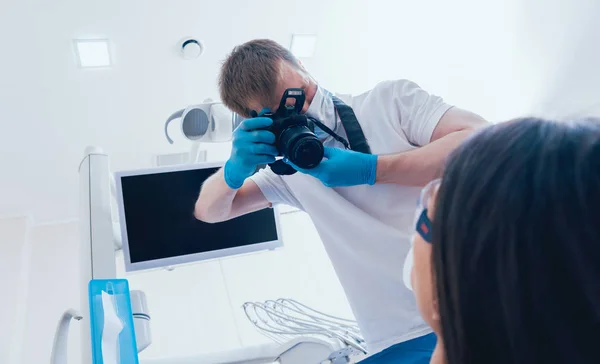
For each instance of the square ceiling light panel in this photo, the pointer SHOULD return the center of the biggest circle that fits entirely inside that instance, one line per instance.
(93, 53)
(303, 45)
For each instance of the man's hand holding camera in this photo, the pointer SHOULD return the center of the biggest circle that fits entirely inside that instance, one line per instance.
(250, 148)
(343, 168)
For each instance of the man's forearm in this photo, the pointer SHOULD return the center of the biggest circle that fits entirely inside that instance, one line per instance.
(418, 167)
(215, 200)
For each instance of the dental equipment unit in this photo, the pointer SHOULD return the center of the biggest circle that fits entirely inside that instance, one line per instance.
(299, 334)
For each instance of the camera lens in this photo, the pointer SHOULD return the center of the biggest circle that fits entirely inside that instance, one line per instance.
(307, 153)
(301, 147)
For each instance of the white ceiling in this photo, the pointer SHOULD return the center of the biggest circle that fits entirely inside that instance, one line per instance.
(501, 58)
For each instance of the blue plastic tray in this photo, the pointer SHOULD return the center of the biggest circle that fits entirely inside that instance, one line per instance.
(116, 292)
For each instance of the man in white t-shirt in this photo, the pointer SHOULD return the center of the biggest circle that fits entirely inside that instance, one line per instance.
(362, 205)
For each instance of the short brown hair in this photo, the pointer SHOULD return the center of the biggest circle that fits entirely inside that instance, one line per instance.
(251, 72)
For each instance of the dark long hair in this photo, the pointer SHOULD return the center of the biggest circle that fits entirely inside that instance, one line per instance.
(516, 245)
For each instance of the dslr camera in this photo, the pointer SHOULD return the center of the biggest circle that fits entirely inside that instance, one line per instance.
(294, 136)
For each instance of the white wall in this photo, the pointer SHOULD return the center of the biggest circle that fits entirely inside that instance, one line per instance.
(559, 42)
(18, 91)
(39, 278)
(53, 288)
(14, 249)
(463, 50)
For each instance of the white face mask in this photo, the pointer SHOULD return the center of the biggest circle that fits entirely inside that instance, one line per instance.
(322, 109)
(320, 133)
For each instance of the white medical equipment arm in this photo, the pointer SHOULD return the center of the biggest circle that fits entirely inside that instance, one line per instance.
(116, 225)
(97, 251)
(97, 255)
(208, 122)
(59, 347)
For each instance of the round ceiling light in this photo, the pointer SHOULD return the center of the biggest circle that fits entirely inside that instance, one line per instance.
(191, 49)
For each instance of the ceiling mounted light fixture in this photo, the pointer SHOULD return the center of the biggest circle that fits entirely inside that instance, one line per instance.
(191, 49)
(93, 53)
(303, 45)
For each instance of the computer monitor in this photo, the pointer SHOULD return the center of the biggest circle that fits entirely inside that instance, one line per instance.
(158, 227)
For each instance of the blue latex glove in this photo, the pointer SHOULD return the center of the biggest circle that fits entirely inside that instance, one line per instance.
(250, 148)
(343, 168)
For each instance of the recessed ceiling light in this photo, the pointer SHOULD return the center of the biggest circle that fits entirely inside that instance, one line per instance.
(191, 49)
(303, 45)
(92, 53)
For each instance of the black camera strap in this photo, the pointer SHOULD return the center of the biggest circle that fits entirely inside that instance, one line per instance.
(331, 133)
(356, 138)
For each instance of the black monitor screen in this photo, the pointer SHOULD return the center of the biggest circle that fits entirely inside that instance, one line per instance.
(159, 216)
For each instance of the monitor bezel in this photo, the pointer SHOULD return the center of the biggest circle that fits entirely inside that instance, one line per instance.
(190, 258)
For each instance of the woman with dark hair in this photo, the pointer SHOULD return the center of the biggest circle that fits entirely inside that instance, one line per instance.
(507, 251)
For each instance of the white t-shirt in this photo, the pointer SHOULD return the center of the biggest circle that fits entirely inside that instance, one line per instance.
(366, 230)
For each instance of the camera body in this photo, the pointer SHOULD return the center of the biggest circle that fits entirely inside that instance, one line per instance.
(294, 136)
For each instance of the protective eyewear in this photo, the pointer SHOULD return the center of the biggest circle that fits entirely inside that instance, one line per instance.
(423, 223)
(423, 227)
